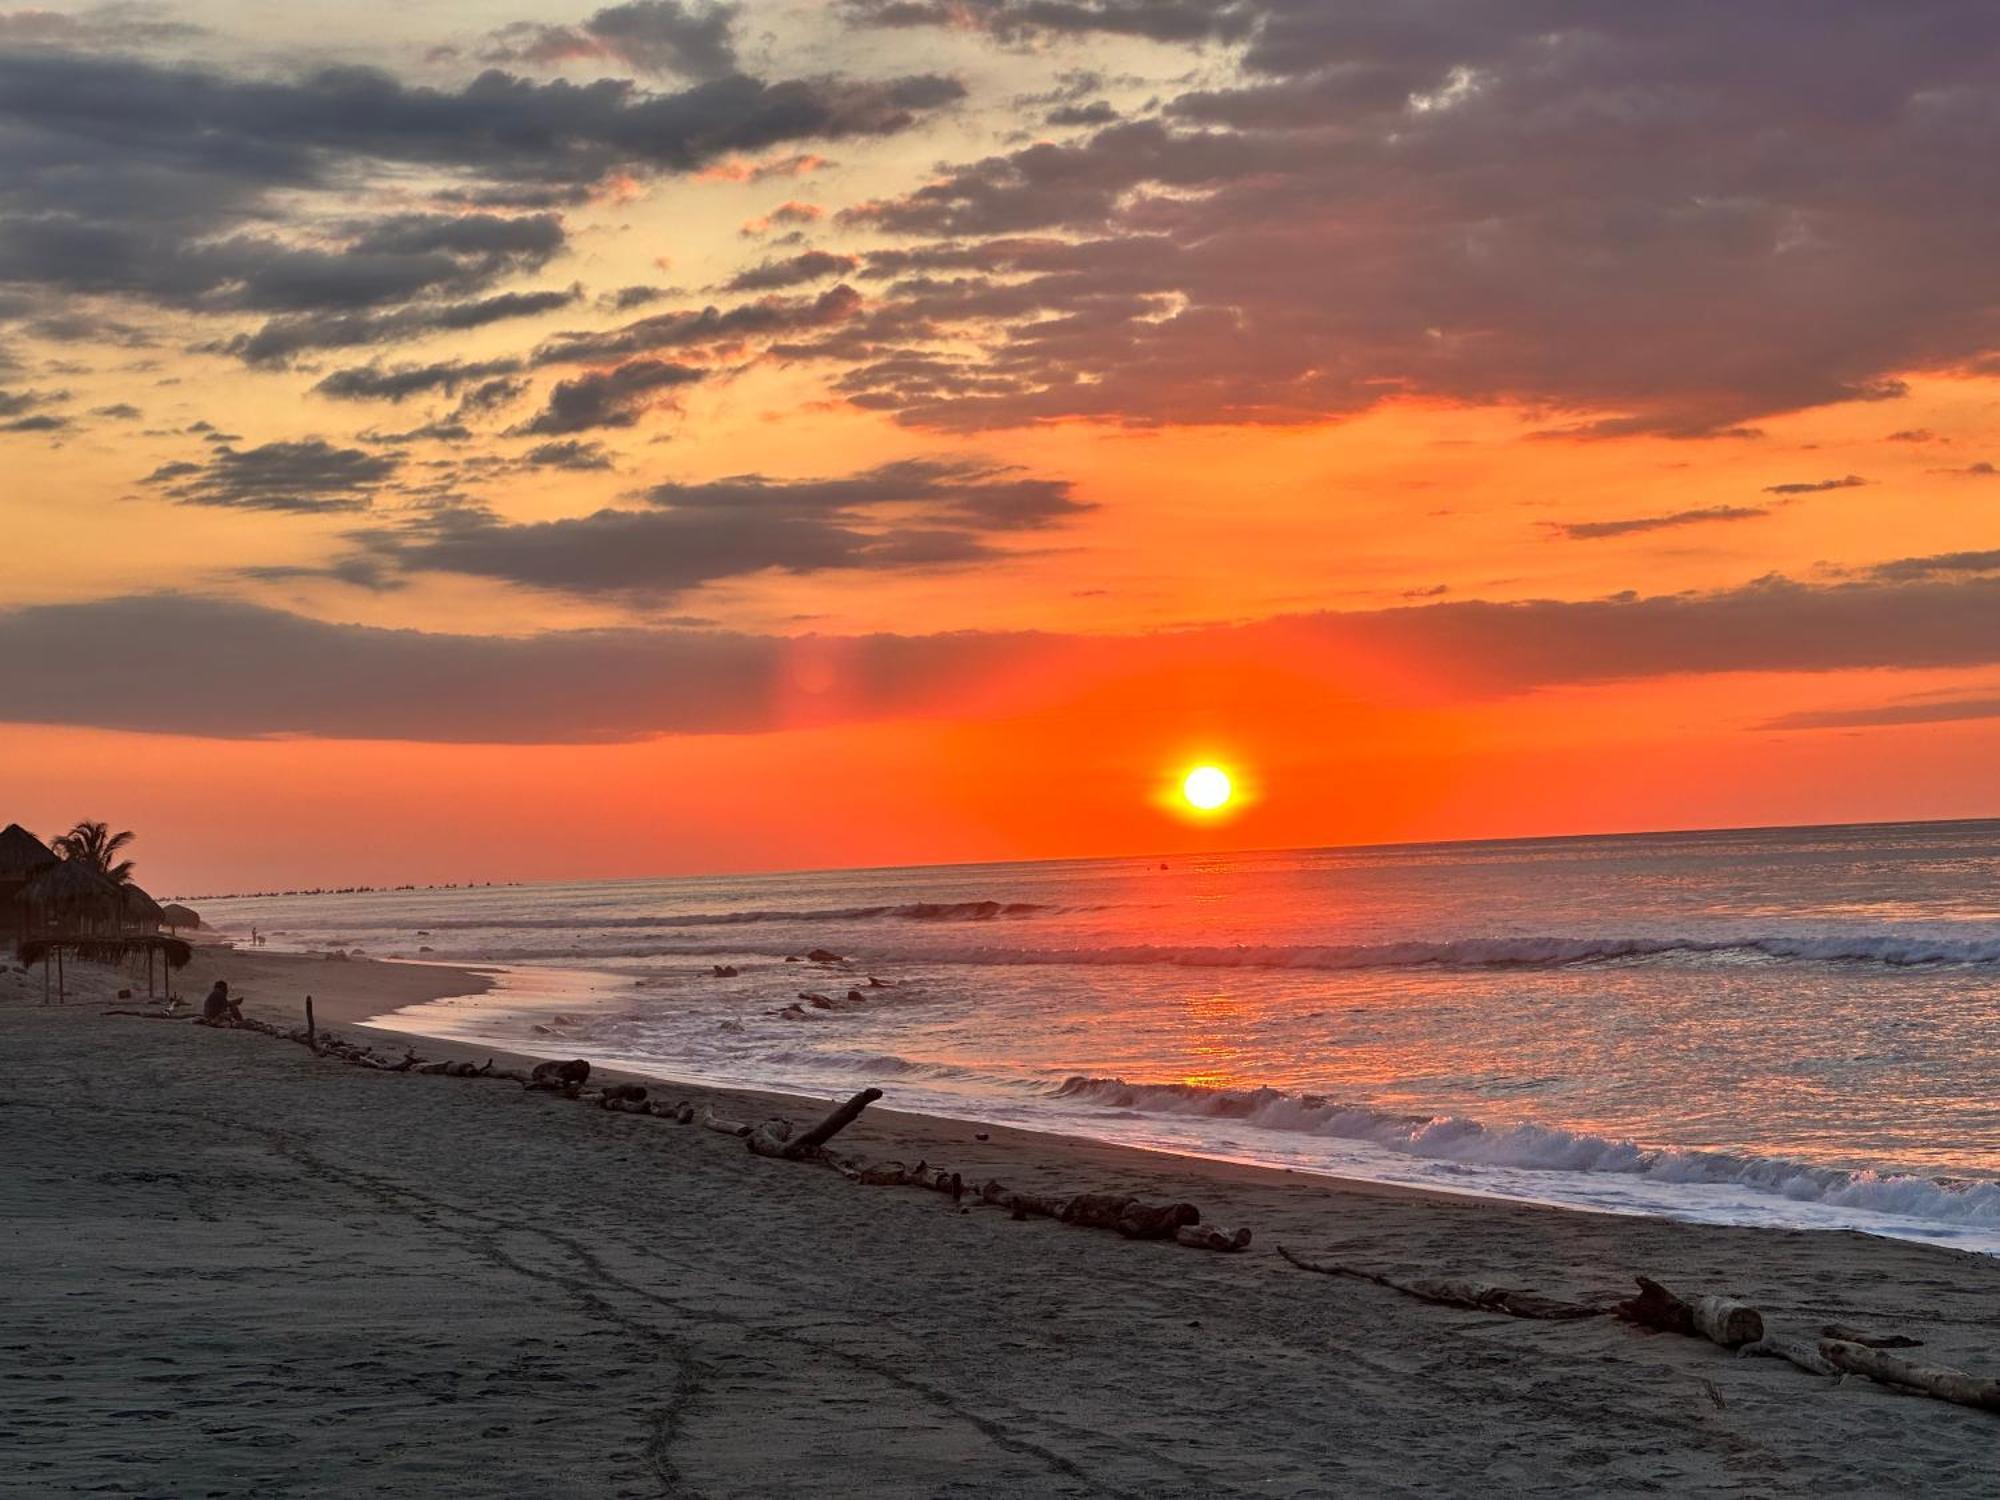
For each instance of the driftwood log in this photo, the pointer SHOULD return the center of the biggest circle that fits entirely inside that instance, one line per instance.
(1940, 1381)
(1794, 1348)
(1850, 1335)
(1720, 1320)
(710, 1120)
(770, 1140)
(1456, 1291)
(560, 1077)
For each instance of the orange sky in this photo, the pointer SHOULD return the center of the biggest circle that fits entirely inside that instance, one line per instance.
(1603, 472)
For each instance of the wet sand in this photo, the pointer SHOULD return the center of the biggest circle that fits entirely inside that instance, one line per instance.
(233, 1268)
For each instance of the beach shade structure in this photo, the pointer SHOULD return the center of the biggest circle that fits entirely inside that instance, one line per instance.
(68, 897)
(177, 916)
(140, 911)
(52, 953)
(22, 857)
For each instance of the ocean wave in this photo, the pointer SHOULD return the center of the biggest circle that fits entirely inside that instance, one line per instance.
(1545, 1148)
(909, 911)
(1891, 949)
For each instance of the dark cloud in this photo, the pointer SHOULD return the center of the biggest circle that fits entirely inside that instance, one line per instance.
(399, 382)
(912, 514)
(192, 188)
(74, 663)
(608, 398)
(306, 476)
(1098, 112)
(1024, 20)
(569, 453)
(1665, 219)
(1980, 470)
(1912, 435)
(1937, 565)
(1582, 531)
(281, 339)
(39, 422)
(809, 265)
(13, 403)
(1815, 486)
(1947, 711)
(698, 328)
(100, 26)
(654, 36)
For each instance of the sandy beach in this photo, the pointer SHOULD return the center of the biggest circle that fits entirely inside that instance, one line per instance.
(234, 1268)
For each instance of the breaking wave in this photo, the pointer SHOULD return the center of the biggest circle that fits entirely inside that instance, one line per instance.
(909, 911)
(1545, 1148)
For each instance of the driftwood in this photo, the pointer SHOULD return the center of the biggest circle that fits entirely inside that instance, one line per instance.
(1454, 1291)
(1208, 1237)
(312, 1031)
(1798, 1350)
(560, 1077)
(712, 1121)
(1720, 1320)
(1849, 1335)
(1939, 1381)
(767, 1140)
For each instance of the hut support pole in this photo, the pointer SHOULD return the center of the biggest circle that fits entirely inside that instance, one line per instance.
(61, 997)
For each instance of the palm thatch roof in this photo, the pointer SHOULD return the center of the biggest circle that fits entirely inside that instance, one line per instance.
(69, 882)
(176, 915)
(21, 853)
(140, 905)
(105, 950)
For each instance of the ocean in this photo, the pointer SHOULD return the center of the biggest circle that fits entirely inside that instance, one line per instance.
(1792, 1027)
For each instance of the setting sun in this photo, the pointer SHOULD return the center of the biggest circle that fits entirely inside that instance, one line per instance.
(1206, 788)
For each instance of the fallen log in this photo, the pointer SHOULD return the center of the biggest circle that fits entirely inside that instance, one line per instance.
(836, 1121)
(560, 1077)
(1453, 1291)
(1132, 1217)
(1720, 1320)
(1939, 1381)
(1208, 1237)
(619, 1096)
(1850, 1335)
(1798, 1350)
(710, 1120)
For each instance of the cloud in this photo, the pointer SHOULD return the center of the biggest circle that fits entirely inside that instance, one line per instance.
(608, 398)
(897, 516)
(1946, 712)
(701, 327)
(569, 453)
(809, 265)
(654, 36)
(1619, 216)
(308, 476)
(1816, 486)
(1980, 470)
(1026, 20)
(207, 191)
(282, 338)
(1937, 565)
(399, 382)
(74, 663)
(1578, 531)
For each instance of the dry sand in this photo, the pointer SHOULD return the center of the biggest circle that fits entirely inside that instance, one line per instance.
(233, 1269)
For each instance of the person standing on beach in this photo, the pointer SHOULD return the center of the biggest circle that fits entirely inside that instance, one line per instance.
(218, 1009)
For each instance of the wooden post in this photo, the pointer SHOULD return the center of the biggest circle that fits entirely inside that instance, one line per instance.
(61, 997)
(312, 1035)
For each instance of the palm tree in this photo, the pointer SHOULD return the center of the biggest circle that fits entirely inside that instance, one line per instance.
(96, 846)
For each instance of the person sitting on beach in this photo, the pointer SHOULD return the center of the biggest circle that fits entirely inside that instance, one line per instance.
(218, 1009)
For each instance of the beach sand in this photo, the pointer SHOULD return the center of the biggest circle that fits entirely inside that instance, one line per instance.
(234, 1269)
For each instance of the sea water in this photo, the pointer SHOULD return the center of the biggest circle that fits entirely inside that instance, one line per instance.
(1795, 1027)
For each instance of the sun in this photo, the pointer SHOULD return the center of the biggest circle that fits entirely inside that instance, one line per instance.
(1207, 788)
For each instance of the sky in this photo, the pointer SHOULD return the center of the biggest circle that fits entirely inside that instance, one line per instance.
(487, 440)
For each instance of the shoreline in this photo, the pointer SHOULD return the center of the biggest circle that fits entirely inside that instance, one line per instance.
(239, 1268)
(365, 987)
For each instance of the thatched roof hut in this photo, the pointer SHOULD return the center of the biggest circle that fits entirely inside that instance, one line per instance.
(70, 896)
(178, 916)
(141, 910)
(22, 857)
(21, 853)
